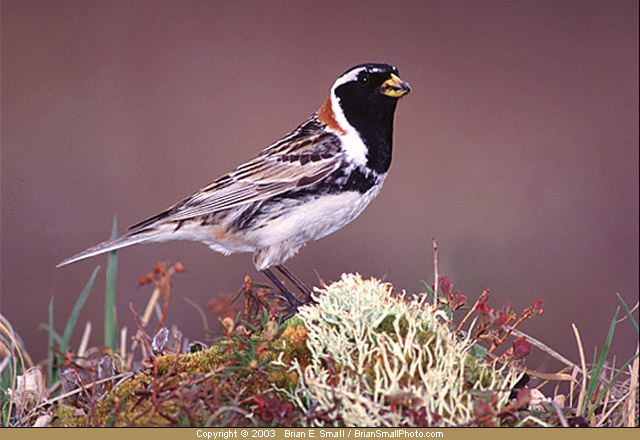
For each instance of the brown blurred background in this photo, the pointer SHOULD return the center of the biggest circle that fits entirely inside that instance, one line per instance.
(517, 149)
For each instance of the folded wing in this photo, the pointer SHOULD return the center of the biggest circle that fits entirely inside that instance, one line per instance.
(295, 162)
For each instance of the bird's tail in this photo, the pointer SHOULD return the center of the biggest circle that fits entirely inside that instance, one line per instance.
(110, 245)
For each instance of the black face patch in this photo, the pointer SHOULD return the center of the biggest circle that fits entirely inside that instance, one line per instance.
(364, 94)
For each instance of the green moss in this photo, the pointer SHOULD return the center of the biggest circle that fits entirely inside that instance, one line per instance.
(198, 362)
(64, 417)
(476, 372)
(390, 327)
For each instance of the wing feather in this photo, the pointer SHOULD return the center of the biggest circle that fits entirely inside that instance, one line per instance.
(300, 159)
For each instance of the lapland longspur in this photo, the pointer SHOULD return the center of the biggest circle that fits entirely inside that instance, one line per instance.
(310, 183)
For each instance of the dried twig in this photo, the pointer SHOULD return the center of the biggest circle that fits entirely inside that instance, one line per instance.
(51, 401)
(472, 309)
(583, 390)
(84, 341)
(550, 351)
(198, 309)
(631, 405)
(435, 272)
(561, 417)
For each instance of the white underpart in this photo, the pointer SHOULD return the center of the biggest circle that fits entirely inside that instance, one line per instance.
(281, 238)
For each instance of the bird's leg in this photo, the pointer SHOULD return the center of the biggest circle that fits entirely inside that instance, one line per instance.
(290, 297)
(295, 280)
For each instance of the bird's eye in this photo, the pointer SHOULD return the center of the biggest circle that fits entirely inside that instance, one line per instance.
(363, 78)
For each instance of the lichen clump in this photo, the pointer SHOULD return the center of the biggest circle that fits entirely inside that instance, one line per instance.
(383, 360)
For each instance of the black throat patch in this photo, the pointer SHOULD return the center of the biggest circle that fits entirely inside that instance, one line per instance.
(371, 113)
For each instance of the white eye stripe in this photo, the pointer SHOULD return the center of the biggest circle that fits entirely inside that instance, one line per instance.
(352, 75)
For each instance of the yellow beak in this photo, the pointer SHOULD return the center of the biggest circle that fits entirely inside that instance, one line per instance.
(395, 87)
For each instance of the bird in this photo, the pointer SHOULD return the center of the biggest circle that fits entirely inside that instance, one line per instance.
(305, 186)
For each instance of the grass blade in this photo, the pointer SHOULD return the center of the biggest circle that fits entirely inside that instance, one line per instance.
(110, 316)
(68, 330)
(603, 356)
(626, 308)
(428, 289)
(611, 382)
(50, 353)
(57, 339)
